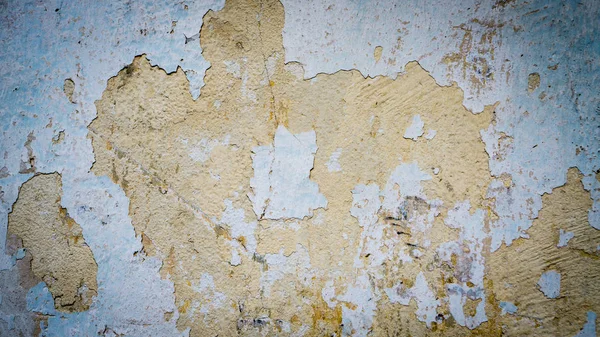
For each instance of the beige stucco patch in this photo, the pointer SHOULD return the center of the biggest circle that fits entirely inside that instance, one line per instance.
(61, 258)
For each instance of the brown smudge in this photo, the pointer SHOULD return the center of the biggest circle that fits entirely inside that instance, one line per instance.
(69, 89)
(533, 82)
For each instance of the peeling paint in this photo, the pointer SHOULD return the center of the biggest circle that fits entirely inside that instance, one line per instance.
(564, 237)
(589, 329)
(415, 130)
(549, 284)
(281, 184)
(422, 294)
(326, 168)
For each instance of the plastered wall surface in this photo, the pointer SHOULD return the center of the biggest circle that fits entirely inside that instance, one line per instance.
(300, 168)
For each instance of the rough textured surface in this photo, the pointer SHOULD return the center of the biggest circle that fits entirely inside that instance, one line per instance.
(61, 258)
(552, 287)
(300, 168)
(152, 165)
(15, 318)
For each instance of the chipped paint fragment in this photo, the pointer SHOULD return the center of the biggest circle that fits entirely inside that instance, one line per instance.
(358, 318)
(564, 237)
(430, 134)
(471, 264)
(508, 308)
(200, 151)
(415, 130)
(281, 183)
(589, 328)
(549, 284)
(404, 182)
(427, 302)
(333, 164)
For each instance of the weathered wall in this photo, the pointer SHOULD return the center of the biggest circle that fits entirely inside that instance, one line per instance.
(300, 168)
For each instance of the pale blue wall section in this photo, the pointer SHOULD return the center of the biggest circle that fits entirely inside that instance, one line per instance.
(44, 43)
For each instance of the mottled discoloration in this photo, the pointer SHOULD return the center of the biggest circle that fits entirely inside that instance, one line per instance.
(148, 124)
(349, 168)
